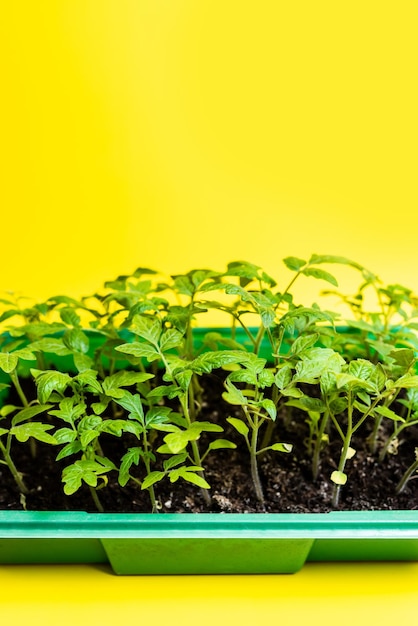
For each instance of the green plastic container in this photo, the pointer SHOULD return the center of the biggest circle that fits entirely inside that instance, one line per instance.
(204, 543)
(207, 543)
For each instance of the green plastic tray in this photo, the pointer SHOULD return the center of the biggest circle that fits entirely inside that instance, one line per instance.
(207, 543)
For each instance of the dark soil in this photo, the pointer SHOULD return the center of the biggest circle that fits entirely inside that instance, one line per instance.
(286, 478)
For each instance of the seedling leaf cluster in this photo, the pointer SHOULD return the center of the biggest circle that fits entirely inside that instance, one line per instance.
(126, 363)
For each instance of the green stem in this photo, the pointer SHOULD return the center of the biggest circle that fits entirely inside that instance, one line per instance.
(148, 468)
(344, 452)
(12, 467)
(25, 402)
(318, 444)
(254, 465)
(96, 500)
(402, 483)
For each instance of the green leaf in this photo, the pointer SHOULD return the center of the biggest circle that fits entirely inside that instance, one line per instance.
(69, 411)
(361, 368)
(131, 457)
(82, 362)
(321, 274)
(174, 460)
(171, 338)
(269, 406)
(65, 435)
(50, 344)
(208, 361)
(29, 412)
(148, 328)
(35, 430)
(88, 379)
(195, 479)
(151, 479)
(111, 384)
(265, 378)
(133, 404)
(177, 441)
(303, 342)
(139, 350)
(406, 382)
(294, 263)
(8, 362)
(307, 404)
(239, 425)
(70, 317)
(281, 447)
(233, 395)
(76, 340)
(87, 471)
(87, 437)
(386, 412)
(50, 381)
(316, 259)
(219, 444)
(72, 448)
(283, 377)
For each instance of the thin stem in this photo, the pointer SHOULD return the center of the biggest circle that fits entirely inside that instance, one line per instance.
(96, 500)
(344, 452)
(12, 467)
(255, 424)
(318, 443)
(402, 483)
(25, 402)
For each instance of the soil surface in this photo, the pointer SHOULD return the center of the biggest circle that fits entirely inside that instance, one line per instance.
(286, 478)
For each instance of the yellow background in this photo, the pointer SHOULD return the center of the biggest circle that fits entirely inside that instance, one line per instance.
(184, 133)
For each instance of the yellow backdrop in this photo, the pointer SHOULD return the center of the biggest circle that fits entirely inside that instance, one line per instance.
(183, 133)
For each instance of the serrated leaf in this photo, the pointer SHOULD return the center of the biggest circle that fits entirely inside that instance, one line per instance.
(320, 274)
(303, 342)
(87, 437)
(208, 361)
(111, 384)
(132, 404)
(283, 377)
(170, 339)
(148, 328)
(239, 425)
(70, 317)
(131, 457)
(151, 479)
(8, 362)
(33, 429)
(50, 381)
(76, 340)
(174, 460)
(65, 435)
(233, 395)
(139, 350)
(386, 412)
(82, 362)
(177, 441)
(294, 263)
(29, 412)
(195, 479)
(50, 344)
(265, 378)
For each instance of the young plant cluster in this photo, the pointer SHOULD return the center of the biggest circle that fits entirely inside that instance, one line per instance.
(126, 363)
